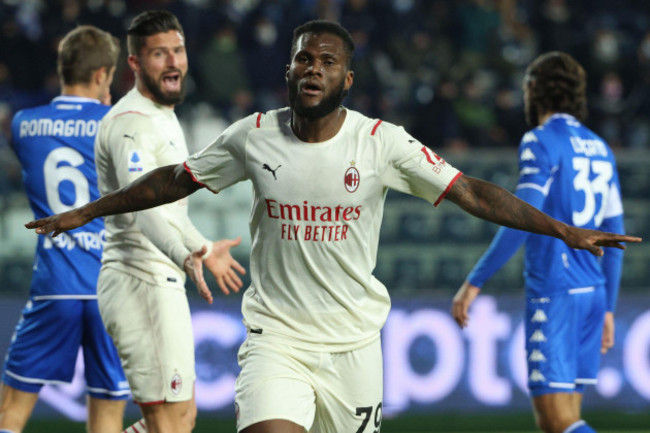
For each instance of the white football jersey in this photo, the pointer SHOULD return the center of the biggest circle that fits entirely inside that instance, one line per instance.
(137, 136)
(317, 211)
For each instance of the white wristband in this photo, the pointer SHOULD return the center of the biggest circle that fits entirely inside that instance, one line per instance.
(207, 253)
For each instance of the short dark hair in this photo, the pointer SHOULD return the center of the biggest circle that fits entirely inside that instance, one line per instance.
(558, 83)
(84, 50)
(150, 23)
(324, 26)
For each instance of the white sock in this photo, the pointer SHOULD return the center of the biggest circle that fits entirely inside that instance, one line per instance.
(137, 427)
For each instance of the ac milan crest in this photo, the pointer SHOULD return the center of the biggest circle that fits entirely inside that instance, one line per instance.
(176, 384)
(351, 179)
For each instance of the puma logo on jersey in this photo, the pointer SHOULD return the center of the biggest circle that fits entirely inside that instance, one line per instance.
(268, 168)
(132, 137)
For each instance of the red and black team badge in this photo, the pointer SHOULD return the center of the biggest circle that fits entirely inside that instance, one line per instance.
(176, 384)
(351, 179)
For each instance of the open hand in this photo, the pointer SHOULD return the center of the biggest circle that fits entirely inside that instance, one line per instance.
(224, 267)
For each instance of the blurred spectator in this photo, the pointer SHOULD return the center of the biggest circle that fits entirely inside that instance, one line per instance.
(479, 22)
(224, 82)
(477, 119)
(437, 126)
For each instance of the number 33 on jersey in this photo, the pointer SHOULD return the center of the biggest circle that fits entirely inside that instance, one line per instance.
(588, 187)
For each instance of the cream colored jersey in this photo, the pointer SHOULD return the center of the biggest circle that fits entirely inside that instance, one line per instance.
(317, 211)
(136, 136)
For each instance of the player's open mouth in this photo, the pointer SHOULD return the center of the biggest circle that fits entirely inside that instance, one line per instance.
(171, 81)
(311, 88)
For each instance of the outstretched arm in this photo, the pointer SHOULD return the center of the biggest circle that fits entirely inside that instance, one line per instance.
(493, 203)
(160, 186)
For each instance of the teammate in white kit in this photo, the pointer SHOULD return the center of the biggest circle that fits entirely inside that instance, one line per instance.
(320, 173)
(141, 291)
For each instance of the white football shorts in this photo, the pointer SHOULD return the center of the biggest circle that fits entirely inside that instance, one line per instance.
(151, 327)
(321, 391)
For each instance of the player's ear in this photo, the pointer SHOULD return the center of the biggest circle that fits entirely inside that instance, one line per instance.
(349, 80)
(134, 63)
(99, 75)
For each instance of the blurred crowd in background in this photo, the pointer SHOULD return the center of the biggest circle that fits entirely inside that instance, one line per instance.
(449, 71)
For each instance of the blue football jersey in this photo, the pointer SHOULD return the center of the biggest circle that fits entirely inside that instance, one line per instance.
(576, 172)
(55, 146)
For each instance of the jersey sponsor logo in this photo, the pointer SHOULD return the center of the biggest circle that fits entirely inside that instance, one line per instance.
(336, 218)
(310, 213)
(351, 179)
(135, 163)
(271, 170)
(529, 137)
(537, 356)
(538, 336)
(536, 376)
(588, 147)
(176, 384)
(86, 241)
(58, 128)
(527, 155)
(539, 316)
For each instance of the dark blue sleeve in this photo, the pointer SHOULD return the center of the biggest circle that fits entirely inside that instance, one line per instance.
(612, 261)
(505, 243)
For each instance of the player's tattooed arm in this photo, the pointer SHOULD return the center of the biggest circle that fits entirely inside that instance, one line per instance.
(160, 186)
(493, 203)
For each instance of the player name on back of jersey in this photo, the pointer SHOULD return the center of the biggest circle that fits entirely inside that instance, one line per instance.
(58, 127)
(306, 220)
(588, 147)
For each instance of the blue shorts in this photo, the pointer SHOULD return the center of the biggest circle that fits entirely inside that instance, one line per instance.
(563, 340)
(45, 346)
